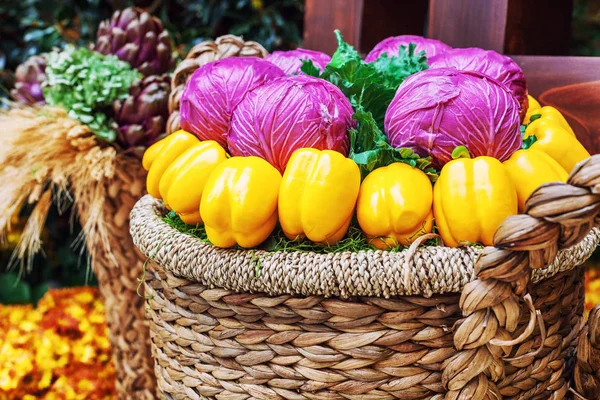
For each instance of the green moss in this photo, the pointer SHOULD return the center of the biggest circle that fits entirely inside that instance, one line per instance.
(354, 241)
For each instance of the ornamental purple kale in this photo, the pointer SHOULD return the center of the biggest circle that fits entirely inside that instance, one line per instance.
(436, 110)
(138, 38)
(30, 76)
(488, 62)
(279, 117)
(215, 89)
(390, 46)
(291, 61)
(142, 117)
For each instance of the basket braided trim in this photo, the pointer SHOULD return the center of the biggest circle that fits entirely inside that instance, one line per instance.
(557, 216)
(432, 270)
(203, 53)
(218, 344)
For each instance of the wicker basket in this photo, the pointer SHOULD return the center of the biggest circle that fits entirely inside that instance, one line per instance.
(118, 272)
(425, 323)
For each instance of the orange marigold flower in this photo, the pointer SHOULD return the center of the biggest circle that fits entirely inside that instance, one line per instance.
(60, 350)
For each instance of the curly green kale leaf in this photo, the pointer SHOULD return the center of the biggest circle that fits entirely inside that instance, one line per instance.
(86, 83)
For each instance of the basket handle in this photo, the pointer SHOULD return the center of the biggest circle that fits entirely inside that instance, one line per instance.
(587, 368)
(557, 216)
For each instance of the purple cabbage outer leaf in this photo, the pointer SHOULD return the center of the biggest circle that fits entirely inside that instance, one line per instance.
(391, 46)
(135, 36)
(502, 68)
(215, 89)
(436, 110)
(141, 118)
(30, 77)
(279, 117)
(291, 61)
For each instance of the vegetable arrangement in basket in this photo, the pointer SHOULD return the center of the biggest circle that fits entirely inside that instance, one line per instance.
(417, 138)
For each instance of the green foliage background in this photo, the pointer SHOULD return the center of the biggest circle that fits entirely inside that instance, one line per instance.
(585, 39)
(30, 27)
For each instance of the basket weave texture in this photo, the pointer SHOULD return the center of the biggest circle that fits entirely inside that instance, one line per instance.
(118, 272)
(217, 344)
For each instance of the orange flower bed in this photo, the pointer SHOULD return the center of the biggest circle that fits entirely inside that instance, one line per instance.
(59, 350)
(592, 288)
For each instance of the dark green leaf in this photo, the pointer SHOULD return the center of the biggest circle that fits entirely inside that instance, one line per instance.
(310, 69)
(38, 291)
(14, 290)
(394, 70)
(359, 81)
(370, 150)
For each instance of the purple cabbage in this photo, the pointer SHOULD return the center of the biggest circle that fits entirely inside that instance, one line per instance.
(279, 117)
(436, 110)
(503, 69)
(390, 46)
(291, 61)
(215, 89)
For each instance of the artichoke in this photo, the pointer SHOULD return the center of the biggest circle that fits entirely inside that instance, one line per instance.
(30, 76)
(142, 117)
(137, 37)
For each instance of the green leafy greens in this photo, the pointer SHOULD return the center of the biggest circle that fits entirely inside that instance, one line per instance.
(86, 83)
(370, 87)
(354, 241)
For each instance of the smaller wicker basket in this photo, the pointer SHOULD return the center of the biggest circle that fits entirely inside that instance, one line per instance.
(427, 323)
(118, 271)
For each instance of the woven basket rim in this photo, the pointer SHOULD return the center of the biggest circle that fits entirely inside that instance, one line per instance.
(379, 273)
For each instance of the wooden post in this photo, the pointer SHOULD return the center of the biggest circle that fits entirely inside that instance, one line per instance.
(363, 24)
(469, 23)
(322, 17)
(533, 27)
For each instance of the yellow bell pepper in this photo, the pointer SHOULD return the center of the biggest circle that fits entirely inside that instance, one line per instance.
(239, 202)
(555, 138)
(529, 169)
(534, 105)
(161, 154)
(318, 195)
(471, 198)
(395, 205)
(551, 114)
(182, 183)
